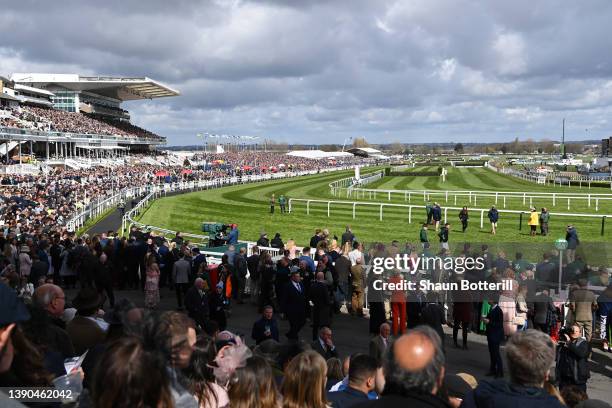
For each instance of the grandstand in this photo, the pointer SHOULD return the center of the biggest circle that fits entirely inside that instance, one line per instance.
(59, 117)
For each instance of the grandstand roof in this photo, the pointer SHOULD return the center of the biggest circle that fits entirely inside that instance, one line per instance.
(121, 88)
(317, 154)
(367, 150)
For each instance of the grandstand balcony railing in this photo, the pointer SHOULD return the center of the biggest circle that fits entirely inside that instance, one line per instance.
(11, 133)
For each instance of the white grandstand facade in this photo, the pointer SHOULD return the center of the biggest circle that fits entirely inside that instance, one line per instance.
(60, 116)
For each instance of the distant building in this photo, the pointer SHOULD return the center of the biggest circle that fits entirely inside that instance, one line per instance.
(606, 147)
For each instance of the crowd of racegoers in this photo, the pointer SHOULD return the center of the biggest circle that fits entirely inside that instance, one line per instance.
(144, 356)
(45, 202)
(48, 119)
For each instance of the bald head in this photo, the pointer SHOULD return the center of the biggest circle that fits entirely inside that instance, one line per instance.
(50, 298)
(413, 351)
(415, 363)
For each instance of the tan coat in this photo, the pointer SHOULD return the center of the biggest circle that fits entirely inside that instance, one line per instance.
(582, 303)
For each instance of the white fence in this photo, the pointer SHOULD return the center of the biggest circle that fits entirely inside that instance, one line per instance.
(380, 206)
(592, 200)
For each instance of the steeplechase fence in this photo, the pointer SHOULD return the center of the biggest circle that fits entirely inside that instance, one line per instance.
(379, 208)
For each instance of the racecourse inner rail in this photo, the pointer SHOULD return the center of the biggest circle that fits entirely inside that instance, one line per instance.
(352, 188)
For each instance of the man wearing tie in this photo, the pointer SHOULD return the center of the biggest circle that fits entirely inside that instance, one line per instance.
(379, 344)
(324, 344)
(294, 305)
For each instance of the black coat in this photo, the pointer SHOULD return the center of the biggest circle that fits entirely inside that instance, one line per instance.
(259, 329)
(495, 327)
(432, 315)
(573, 366)
(500, 394)
(321, 311)
(197, 305)
(346, 398)
(326, 354)
(293, 303)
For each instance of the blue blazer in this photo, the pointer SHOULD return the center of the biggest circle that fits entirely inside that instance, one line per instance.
(495, 327)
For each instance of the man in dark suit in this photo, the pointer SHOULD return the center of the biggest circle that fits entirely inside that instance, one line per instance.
(495, 336)
(196, 303)
(379, 344)
(322, 304)
(324, 344)
(294, 305)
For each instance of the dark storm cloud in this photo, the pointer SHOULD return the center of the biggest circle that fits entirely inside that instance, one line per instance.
(324, 70)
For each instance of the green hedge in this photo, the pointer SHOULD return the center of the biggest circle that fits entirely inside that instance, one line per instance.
(471, 163)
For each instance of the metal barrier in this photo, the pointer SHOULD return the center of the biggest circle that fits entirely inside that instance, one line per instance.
(381, 206)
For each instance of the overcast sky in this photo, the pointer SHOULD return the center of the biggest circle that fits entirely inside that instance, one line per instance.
(321, 71)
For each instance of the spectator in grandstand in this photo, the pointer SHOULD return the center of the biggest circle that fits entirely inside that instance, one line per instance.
(252, 386)
(414, 371)
(265, 328)
(533, 222)
(571, 237)
(443, 235)
(530, 355)
(544, 218)
(463, 217)
(304, 382)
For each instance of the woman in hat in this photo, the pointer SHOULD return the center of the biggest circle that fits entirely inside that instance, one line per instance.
(152, 282)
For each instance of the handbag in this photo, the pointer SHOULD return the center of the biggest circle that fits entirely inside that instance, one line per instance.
(518, 320)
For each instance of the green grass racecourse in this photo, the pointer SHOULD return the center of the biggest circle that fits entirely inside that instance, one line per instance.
(247, 205)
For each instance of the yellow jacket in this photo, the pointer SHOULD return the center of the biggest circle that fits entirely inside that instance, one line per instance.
(534, 218)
